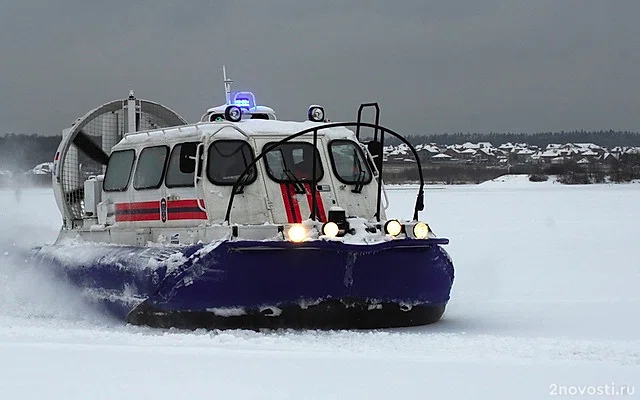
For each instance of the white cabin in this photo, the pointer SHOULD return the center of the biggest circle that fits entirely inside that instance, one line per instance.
(154, 191)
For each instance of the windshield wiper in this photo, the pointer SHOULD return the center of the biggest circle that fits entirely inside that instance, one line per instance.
(359, 184)
(243, 182)
(298, 187)
(361, 175)
(246, 177)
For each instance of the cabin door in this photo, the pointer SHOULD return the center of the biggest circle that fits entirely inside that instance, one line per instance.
(184, 204)
(227, 154)
(287, 175)
(354, 181)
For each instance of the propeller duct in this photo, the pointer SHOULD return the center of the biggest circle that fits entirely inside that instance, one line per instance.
(86, 145)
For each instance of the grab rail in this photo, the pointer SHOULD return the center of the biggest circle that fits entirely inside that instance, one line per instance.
(419, 205)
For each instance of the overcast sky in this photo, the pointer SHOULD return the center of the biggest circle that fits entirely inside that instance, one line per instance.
(434, 66)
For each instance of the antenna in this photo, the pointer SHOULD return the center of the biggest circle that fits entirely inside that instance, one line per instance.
(227, 85)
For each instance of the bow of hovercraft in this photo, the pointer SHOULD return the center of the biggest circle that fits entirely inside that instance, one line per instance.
(315, 284)
(235, 283)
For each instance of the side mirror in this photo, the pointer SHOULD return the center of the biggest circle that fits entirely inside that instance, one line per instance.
(188, 158)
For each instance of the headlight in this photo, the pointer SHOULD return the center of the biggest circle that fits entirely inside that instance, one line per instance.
(297, 233)
(330, 229)
(393, 227)
(420, 230)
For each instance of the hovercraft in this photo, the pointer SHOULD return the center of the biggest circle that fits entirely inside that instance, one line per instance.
(240, 221)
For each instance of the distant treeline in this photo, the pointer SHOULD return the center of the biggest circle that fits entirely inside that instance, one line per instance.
(23, 152)
(607, 139)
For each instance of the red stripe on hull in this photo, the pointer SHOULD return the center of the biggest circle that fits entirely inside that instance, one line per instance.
(319, 204)
(183, 203)
(296, 206)
(137, 217)
(123, 210)
(175, 216)
(286, 201)
(137, 206)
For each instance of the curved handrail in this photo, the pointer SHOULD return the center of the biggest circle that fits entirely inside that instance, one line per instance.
(360, 109)
(419, 206)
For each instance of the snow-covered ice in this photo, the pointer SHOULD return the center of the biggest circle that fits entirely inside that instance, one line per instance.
(545, 301)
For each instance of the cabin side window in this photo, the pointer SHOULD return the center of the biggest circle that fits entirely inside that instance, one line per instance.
(118, 174)
(293, 162)
(227, 159)
(150, 167)
(180, 170)
(348, 162)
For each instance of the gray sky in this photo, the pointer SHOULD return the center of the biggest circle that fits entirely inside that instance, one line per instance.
(434, 66)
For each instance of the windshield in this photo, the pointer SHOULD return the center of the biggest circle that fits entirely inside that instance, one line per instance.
(150, 167)
(118, 171)
(227, 160)
(293, 162)
(175, 176)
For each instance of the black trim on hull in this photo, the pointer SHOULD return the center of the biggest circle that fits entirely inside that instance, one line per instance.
(329, 314)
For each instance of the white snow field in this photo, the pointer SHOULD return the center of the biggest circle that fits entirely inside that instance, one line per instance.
(545, 304)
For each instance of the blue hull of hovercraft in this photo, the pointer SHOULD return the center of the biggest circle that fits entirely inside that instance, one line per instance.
(255, 284)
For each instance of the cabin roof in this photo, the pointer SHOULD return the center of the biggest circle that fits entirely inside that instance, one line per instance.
(241, 130)
(256, 109)
(275, 127)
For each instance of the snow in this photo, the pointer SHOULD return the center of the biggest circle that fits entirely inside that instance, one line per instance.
(441, 155)
(194, 130)
(228, 311)
(250, 127)
(545, 299)
(270, 127)
(518, 182)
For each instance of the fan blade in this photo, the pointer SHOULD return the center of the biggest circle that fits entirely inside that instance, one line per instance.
(88, 147)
